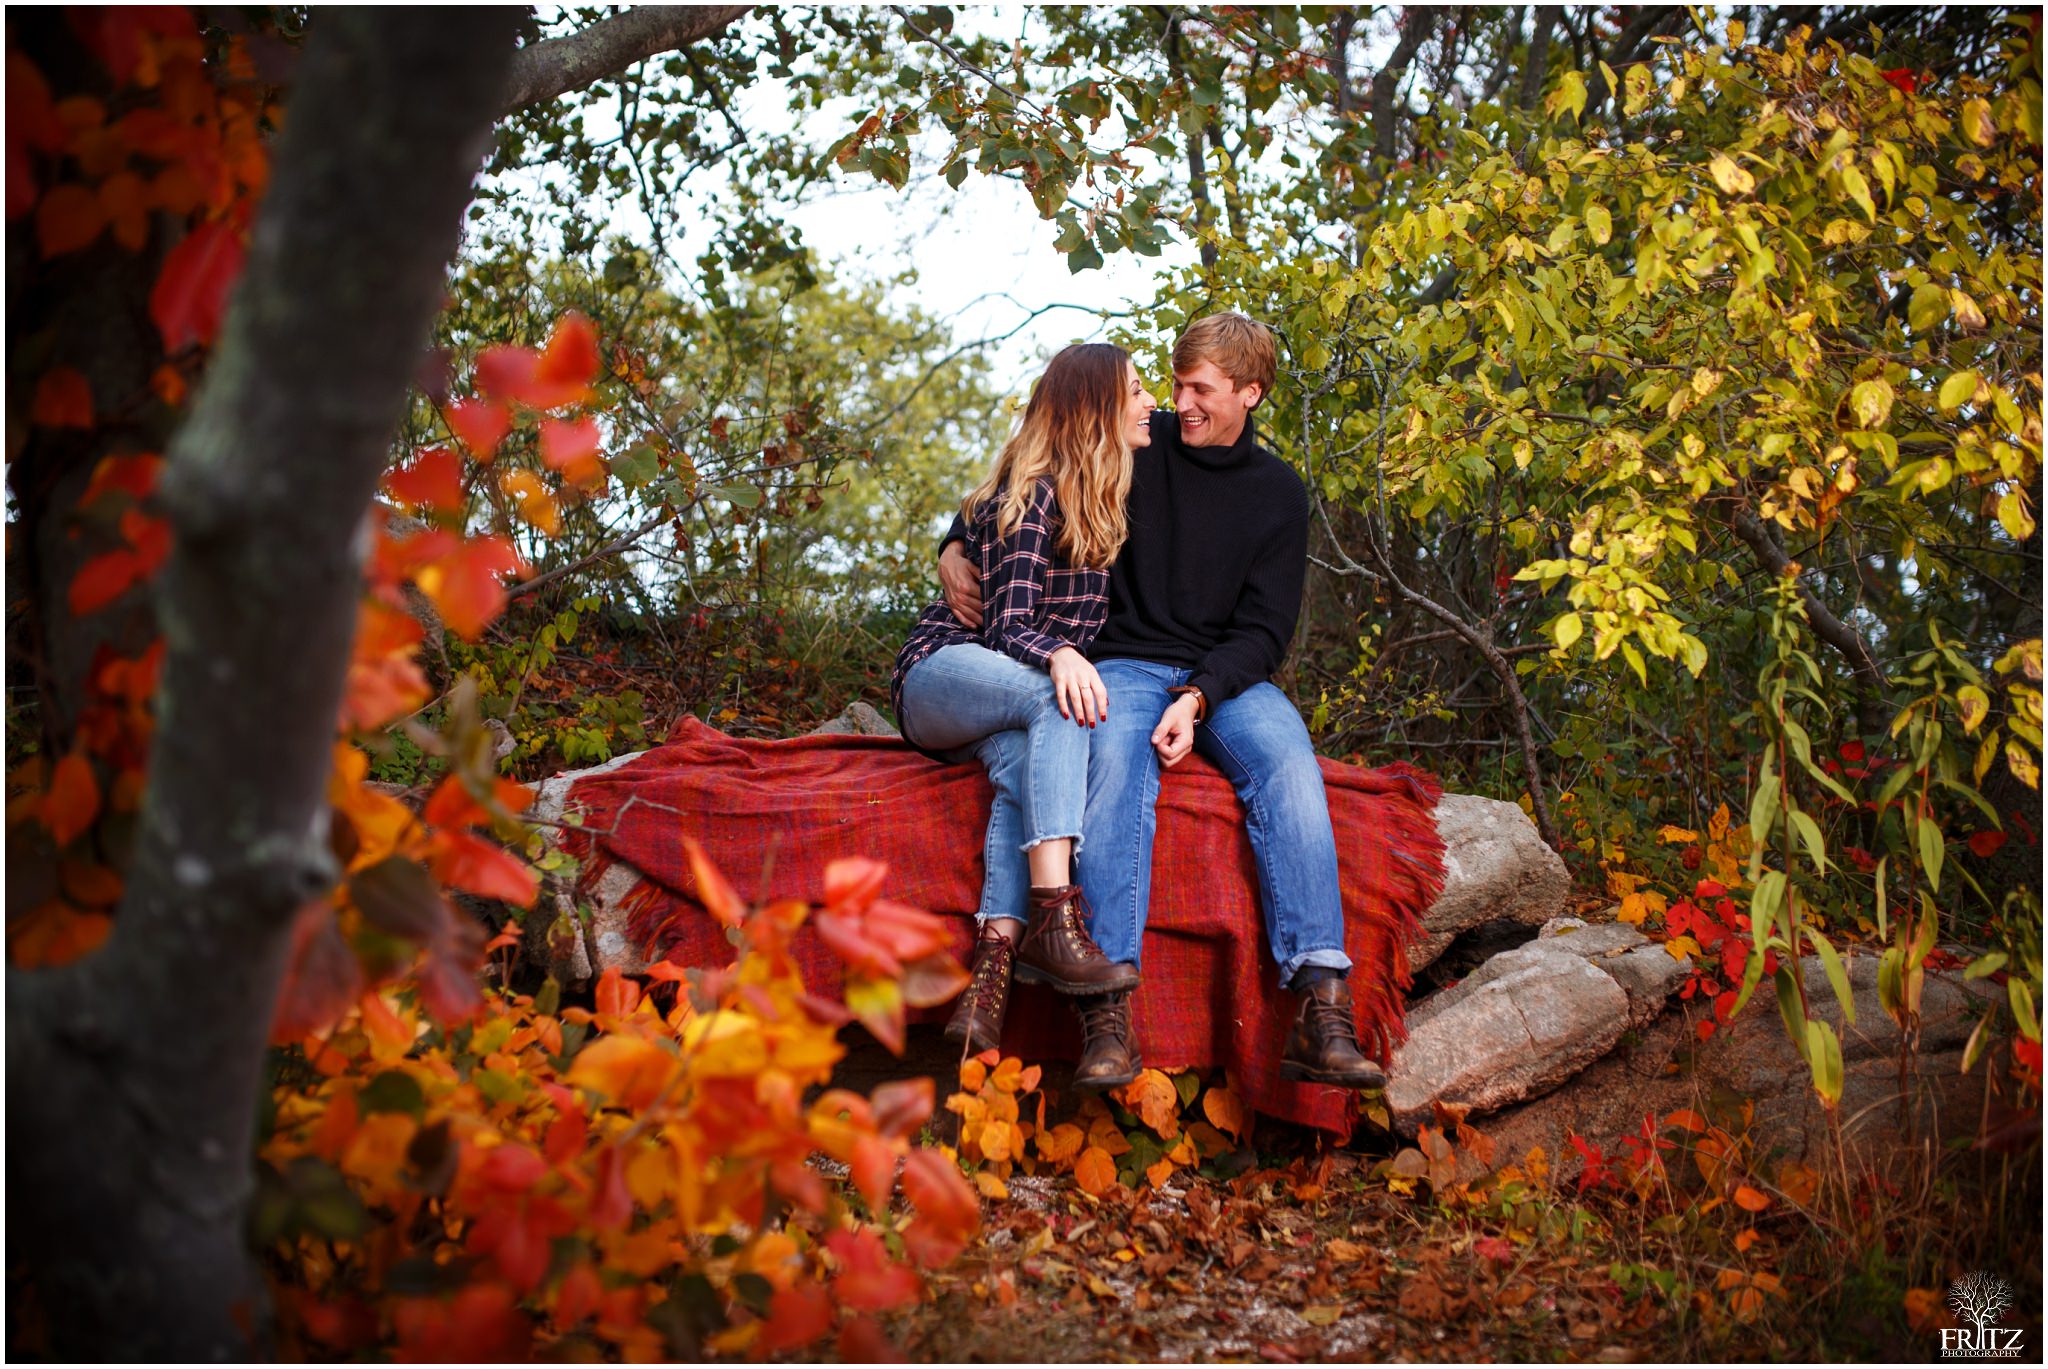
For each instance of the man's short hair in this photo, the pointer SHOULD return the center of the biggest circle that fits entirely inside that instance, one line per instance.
(1241, 348)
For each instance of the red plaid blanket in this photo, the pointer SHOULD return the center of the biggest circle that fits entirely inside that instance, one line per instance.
(773, 814)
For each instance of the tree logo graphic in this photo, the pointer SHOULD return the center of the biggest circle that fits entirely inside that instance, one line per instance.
(1979, 1299)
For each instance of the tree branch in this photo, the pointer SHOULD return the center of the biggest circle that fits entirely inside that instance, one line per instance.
(1826, 625)
(557, 66)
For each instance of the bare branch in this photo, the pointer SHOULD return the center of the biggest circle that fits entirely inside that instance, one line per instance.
(557, 66)
(1826, 625)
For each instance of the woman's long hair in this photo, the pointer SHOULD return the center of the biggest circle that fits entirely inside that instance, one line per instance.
(1073, 431)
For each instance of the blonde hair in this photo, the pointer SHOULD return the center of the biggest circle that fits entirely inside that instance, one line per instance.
(1072, 431)
(1241, 348)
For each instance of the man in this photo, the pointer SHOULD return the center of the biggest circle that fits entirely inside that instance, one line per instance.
(1202, 604)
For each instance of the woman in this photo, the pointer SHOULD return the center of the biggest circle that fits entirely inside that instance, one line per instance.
(1019, 694)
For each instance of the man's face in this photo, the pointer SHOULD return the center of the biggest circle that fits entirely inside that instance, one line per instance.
(1212, 410)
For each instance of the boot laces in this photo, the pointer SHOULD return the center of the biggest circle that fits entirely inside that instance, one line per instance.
(992, 970)
(1330, 1018)
(1076, 924)
(1103, 1016)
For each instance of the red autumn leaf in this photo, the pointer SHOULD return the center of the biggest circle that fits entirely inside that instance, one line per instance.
(942, 1197)
(902, 1106)
(191, 293)
(577, 1296)
(571, 447)
(433, 480)
(797, 1315)
(1984, 845)
(63, 400)
(476, 866)
(1903, 79)
(853, 883)
(322, 977)
(868, 1281)
(571, 356)
(465, 584)
(481, 1323)
(151, 538)
(68, 218)
(1851, 751)
(567, 1137)
(134, 476)
(481, 425)
(873, 1164)
(31, 112)
(1710, 888)
(611, 1207)
(447, 983)
(513, 374)
(72, 800)
(512, 1167)
(1493, 1248)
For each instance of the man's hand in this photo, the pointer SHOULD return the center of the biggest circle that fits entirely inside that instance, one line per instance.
(960, 583)
(1175, 735)
(1079, 689)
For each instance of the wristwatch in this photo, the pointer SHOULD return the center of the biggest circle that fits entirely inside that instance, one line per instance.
(1201, 700)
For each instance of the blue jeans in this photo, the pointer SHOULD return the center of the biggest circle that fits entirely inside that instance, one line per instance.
(1258, 741)
(967, 701)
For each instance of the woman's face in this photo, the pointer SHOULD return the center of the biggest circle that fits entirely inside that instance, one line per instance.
(1138, 407)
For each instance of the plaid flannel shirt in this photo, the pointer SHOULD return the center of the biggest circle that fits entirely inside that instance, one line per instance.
(1033, 601)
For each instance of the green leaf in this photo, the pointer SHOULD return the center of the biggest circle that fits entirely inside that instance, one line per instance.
(2022, 1000)
(1929, 306)
(398, 896)
(1932, 850)
(1859, 191)
(1763, 807)
(739, 495)
(393, 1091)
(1956, 390)
(1083, 258)
(1991, 962)
(1790, 1010)
(1809, 833)
(1567, 629)
(1838, 978)
(638, 467)
(1824, 1054)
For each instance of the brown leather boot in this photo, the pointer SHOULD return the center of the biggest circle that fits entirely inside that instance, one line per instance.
(1323, 1048)
(1109, 1050)
(1058, 950)
(977, 1024)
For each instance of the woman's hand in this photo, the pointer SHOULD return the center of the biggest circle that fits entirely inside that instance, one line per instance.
(1081, 693)
(960, 583)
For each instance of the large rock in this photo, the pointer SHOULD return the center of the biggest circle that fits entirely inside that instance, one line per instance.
(1665, 1066)
(1495, 867)
(1525, 1022)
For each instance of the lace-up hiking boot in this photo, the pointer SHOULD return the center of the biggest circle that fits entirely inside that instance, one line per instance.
(1109, 1050)
(1059, 952)
(1323, 1047)
(977, 1024)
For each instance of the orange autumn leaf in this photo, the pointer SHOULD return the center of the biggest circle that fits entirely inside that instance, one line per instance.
(713, 892)
(124, 199)
(72, 800)
(626, 1071)
(433, 480)
(481, 425)
(1152, 1096)
(532, 499)
(868, 1281)
(465, 586)
(1225, 1112)
(1095, 1171)
(68, 218)
(1750, 1199)
(1061, 1144)
(63, 400)
(571, 355)
(617, 995)
(191, 292)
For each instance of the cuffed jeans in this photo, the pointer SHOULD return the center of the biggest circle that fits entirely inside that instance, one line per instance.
(968, 701)
(1258, 741)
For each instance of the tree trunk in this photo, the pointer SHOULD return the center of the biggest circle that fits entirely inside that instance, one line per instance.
(133, 1075)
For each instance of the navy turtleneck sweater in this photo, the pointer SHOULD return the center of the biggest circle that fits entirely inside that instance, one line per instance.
(1210, 577)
